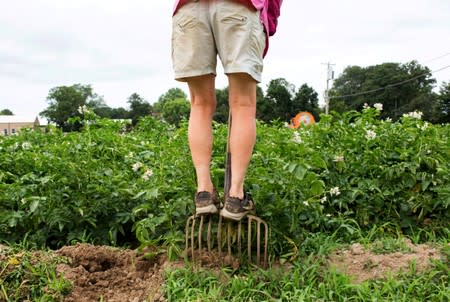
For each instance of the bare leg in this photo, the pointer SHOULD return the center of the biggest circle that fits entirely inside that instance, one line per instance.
(242, 99)
(203, 105)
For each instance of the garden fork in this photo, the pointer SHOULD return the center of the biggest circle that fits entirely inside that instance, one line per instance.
(230, 233)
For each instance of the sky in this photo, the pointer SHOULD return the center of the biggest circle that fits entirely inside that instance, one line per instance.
(124, 47)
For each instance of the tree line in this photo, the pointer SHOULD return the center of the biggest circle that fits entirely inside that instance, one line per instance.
(400, 88)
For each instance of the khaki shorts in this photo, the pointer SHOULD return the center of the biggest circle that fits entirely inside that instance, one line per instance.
(203, 29)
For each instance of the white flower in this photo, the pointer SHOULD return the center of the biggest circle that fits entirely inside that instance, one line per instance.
(378, 106)
(415, 114)
(323, 199)
(365, 106)
(286, 125)
(388, 119)
(147, 174)
(26, 145)
(83, 109)
(338, 158)
(306, 203)
(328, 215)
(297, 138)
(423, 127)
(370, 134)
(137, 166)
(335, 191)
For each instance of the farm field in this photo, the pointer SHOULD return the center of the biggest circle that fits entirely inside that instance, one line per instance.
(357, 206)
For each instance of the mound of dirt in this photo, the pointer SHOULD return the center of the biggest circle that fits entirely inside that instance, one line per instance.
(101, 273)
(362, 264)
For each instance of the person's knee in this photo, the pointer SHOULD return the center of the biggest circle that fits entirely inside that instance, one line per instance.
(203, 103)
(242, 102)
(202, 92)
(242, 91)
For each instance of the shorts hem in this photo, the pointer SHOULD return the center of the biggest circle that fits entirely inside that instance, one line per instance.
(183, 77)
(255, 75)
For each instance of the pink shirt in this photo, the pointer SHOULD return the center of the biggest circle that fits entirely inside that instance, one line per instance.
(260, 5)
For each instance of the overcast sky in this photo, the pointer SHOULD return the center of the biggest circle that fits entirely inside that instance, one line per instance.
(122, 47)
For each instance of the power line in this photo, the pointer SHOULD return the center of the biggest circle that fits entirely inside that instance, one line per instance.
(388, 86)
(436, 58)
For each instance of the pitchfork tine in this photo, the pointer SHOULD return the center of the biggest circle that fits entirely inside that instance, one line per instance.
(229, 238)
(239, 238)
(249, 240)
(258, 243)
(200, 233)
(188, 223)
(193, 237)
(208, 235)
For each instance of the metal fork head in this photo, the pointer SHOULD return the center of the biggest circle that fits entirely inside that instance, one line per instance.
(230, 234)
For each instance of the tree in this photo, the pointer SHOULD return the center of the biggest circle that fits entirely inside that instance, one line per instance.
(401, 88)
(119, 113)
(221, 114)
(444, 103)
(64, 102)
(306, 99)
(278, 102)
(6, 112)
(98, 105)
(171, 94)
(138, 108)
(176, 110)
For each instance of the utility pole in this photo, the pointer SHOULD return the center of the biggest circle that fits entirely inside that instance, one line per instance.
(330, 76)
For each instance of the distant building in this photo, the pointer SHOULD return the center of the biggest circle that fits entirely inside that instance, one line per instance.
(11, 124)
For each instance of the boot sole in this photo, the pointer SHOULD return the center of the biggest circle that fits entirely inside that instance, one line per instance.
(233, 216)
(211, 209)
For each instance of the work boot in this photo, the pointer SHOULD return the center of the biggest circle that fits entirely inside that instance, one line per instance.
(206, 203)
(236, 208)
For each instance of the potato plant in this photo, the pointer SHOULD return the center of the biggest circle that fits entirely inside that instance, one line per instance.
(109, 185)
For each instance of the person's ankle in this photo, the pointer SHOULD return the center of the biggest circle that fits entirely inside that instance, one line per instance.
(236, 195)
(209, 189)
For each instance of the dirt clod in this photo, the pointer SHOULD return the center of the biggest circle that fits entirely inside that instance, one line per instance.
(362, 264)
(101, 273)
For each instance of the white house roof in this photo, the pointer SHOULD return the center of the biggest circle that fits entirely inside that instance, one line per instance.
(18, 119)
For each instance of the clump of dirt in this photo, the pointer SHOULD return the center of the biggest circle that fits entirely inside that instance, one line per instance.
(362, 264)
(102, 273)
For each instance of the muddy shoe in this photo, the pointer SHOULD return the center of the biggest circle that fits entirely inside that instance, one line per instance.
(236, 208)
(206, 203)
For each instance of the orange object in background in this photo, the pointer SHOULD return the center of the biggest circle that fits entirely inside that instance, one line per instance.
(302, 118)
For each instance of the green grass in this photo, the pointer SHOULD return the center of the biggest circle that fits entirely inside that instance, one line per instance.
(307, 281)
(310, 279)
(27, 275)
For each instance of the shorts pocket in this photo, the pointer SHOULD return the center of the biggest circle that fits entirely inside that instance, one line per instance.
(186, 23)
(235, 19)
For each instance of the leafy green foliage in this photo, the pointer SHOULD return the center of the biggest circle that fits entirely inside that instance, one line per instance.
(345, 174)
(414, 92)
(444, 103)
(174, 111)
(6, 112)
(64, 102)
(30, 276)
(308, 280)
(138, 108)
(283, 101)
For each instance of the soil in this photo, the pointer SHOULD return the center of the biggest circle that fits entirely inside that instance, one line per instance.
(362, 264)
(101, 273)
